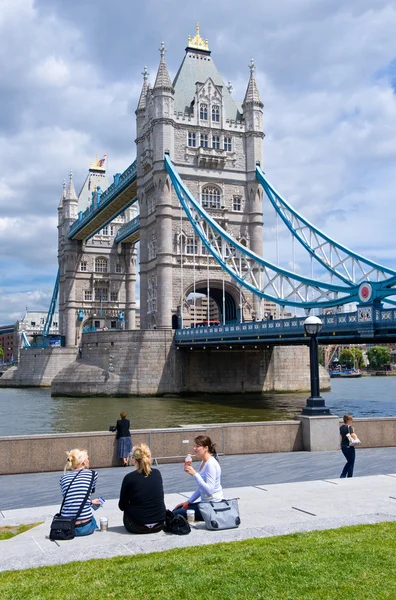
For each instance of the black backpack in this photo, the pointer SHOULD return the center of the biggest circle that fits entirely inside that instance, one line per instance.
(176, 524)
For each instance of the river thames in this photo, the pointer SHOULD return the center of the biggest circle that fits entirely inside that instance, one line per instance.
(25, 411)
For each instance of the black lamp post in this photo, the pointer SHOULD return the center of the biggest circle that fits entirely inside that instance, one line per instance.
(315, 405)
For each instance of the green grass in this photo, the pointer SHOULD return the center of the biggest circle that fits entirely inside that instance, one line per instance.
(352, 563)
(8, 532)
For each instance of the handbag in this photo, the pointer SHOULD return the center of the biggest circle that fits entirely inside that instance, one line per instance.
(63, 528)
(223, 514)
(352, 441)
(176, 524)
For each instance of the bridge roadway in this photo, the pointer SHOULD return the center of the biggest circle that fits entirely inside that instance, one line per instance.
(367, 325)
(121, 194)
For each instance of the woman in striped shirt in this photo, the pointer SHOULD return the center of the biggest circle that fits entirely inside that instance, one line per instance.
(79, 475)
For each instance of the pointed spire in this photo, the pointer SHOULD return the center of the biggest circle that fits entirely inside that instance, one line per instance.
(63, 196)
(143, 93)
(163, 81)
(71, 192)
(252, 95)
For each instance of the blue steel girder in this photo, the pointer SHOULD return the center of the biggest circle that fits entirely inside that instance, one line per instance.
(250, 270)
(51, 311)
(341, 262)
(130, 232)
(119, 195)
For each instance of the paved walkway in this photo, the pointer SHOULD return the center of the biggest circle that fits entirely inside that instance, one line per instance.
(313, 498)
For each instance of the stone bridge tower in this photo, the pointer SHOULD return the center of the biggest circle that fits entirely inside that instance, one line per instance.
(97, 276)
(215, 144)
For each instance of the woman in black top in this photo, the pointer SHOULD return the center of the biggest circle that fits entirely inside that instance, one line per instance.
(347, 450)
(142, 495)
(124, 438)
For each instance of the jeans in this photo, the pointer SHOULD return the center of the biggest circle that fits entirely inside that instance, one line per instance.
(87, 528)
(349, 453)
(191, 506)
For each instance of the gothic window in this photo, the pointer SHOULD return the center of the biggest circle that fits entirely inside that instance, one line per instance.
(118, 268)
(101, 265)
(191, 245)
(101, 294)
(87, 295)
(83, 265)
(152, 248)
(237, 203)
(192, 139)
(204, 140)
(152, 294)
(203, 112)
(105, 230)
(114, 296)
(216, 142)
(215, 113)
(210, 197)
(111, 230)
(227, 144)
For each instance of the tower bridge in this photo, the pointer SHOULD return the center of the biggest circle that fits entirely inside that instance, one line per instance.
(193, 198)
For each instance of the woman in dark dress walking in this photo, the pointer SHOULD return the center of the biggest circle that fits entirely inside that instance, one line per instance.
(124, 438)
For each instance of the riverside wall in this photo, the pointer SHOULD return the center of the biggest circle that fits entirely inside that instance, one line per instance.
(37, 367)
(40, 453)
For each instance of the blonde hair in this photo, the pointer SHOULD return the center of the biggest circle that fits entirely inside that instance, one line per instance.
(142, 455)
(75, 458)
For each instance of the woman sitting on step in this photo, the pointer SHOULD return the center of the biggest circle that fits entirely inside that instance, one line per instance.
(142, 495)
(75, 484)
(207, 478)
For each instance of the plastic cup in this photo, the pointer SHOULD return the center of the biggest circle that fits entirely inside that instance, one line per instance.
(191, 516)
(104, 524)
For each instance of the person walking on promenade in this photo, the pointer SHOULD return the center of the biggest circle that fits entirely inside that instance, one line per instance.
(347, 450)
(123, 436)
(142, 495)
(76, 481)
(207, 477)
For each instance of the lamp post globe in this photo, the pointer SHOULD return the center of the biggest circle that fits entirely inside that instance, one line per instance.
(313, 325)
(315, 405)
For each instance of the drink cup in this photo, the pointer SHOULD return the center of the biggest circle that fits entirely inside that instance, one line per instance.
(191, 516)
(104, 524)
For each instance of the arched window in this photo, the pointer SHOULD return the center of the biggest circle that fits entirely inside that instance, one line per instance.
(216, 113)
(210, 197)
(203, 112)
(101, 265)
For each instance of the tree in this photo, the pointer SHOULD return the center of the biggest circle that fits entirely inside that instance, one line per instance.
(1, 353)
(378, 357)
(351, 357)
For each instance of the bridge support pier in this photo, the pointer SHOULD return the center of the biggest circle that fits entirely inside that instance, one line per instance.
(320, 433)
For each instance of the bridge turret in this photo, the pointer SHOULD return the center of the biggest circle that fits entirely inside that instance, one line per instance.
(253, 113)
(163, 99)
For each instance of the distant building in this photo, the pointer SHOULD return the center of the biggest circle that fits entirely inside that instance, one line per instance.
(7, 342)
(199, 311)
(32, 323)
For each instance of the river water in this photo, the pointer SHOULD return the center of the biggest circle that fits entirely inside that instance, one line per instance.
(25, 411)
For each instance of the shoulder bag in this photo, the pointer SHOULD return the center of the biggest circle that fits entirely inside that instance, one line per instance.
(223, 514)
(63, 528)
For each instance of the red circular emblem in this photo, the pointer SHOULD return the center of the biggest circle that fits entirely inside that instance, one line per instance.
(365, 292)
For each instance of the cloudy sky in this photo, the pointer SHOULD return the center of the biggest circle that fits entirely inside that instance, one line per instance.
(71, 77)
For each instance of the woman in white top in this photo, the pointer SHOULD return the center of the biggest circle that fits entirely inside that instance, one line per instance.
(207, 478)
